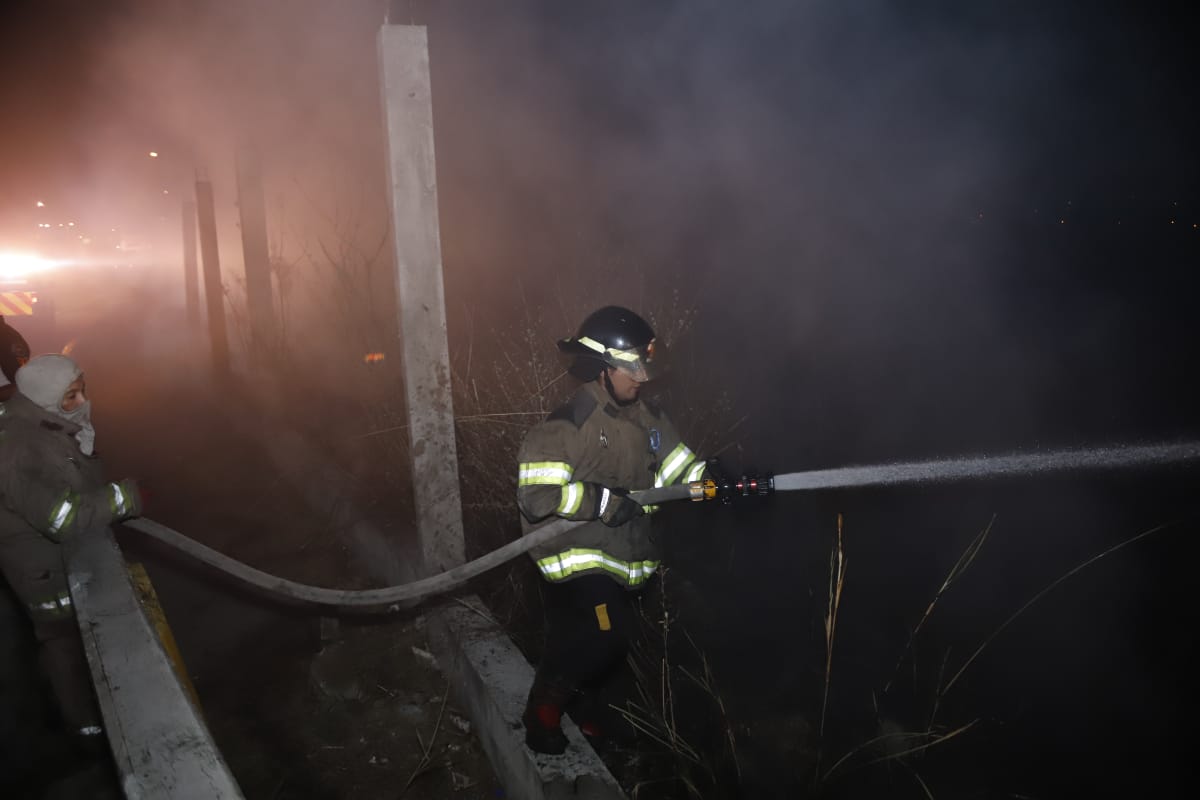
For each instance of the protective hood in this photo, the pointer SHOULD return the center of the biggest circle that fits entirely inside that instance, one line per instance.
(44, 380)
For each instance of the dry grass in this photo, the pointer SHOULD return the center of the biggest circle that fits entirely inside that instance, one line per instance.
(837, 580)
(426, 761)
(960, 567)
(912, 742)
(900, 746)
(662, 683)
(1029, 603)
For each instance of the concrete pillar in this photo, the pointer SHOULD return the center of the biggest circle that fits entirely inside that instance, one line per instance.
(253, 210)
(408, 133)
(214, 293)
(191, 289)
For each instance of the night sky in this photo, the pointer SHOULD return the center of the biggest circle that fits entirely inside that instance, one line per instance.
(902, 229)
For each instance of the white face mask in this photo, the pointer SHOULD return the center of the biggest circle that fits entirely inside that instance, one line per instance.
(82, 416)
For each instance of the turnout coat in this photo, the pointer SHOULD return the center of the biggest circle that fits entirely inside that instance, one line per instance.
(565, 463)
(50, 492)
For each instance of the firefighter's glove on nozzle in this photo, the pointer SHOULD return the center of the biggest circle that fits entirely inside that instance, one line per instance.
(614, 507)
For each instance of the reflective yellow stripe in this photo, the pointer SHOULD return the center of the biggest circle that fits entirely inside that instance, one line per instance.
(620, 355)
(63, 513)
(57, 606)
(694, 472)
(544, 473)
(117, 501)
(578, 560)
(673, 465)
(591, 344)
(572, 498)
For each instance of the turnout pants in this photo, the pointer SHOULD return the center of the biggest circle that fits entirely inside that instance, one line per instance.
(590, 624)
(34, 568)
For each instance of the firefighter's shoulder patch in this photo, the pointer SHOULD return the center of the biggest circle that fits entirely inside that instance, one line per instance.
(576, 410)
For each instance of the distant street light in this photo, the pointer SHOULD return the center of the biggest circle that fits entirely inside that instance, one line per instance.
(154, 154)
(40, 204)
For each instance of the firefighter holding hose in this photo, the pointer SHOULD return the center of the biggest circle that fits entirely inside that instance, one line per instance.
(52, 491)
(580, 464)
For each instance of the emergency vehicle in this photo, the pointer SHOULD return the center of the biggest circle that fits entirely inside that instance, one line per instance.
(26, 289)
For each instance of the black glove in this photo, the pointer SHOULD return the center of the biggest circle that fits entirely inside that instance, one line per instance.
(614, 507)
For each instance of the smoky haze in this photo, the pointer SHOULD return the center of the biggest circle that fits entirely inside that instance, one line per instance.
(858, 199)
(899, 231)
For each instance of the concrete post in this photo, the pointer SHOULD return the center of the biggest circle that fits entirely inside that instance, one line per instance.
(191, 289)
(214, 294)
(253, 210)
(420, 298)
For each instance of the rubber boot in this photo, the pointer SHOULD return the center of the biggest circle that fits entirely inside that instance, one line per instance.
(543, 716)
(587, 711)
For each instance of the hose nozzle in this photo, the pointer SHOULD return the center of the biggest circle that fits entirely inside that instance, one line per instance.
(726, 489)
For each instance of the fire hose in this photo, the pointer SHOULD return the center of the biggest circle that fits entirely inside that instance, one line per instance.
(717, 487)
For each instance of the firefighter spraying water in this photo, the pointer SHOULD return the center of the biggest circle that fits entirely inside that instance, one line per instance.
(680, 475)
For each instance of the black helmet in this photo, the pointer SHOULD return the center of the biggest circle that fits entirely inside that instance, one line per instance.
(613, 337)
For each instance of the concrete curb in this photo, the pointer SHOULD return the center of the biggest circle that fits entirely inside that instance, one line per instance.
(492, 678)
(161, 746)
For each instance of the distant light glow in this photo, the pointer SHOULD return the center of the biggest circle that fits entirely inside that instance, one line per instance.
(40, 204)
(154, 154)
(17, 265)
(373, 358)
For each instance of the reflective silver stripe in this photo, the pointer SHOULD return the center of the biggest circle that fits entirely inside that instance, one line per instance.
(572, 498)
(695, 473)
(604, 496)
(544, 473)
(672, 466)
(118, 498)
(91, 730)
(60, 603)
(59, 514)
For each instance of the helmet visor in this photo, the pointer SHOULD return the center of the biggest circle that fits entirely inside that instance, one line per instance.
(639, 363)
